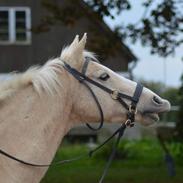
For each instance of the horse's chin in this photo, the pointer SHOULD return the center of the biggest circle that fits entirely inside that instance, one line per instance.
(149, 119)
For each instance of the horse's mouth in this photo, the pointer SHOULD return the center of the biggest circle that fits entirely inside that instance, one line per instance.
(152, 116)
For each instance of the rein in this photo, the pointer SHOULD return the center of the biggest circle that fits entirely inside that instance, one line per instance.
(115, 95)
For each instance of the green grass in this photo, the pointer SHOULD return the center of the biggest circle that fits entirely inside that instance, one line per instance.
(136, 162)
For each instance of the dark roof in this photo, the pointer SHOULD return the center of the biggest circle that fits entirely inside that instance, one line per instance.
(100, 23)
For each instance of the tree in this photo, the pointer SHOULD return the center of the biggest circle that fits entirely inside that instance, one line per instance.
(159, 27)
(179, 126)
(157, 87)
(173, 95)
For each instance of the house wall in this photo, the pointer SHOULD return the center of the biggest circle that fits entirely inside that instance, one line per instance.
(48, 45)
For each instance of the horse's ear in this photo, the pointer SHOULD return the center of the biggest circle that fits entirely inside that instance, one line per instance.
(75, 41)
(73, 54)
(79, 50)
(82, 43)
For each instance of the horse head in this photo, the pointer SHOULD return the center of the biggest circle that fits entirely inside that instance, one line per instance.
(84, 106)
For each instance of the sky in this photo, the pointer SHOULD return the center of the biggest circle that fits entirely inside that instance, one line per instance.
(150, 67)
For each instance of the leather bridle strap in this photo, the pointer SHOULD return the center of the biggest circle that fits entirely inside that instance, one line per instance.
(81, 77)
(99, 107)
(84, 69)
(113, 152)
(115, 94)
(85, 65)
(137, 93)
(121, 95)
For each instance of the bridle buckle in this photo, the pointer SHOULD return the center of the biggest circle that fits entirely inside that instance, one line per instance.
(129, 123)
(115, 94)
(132, 109)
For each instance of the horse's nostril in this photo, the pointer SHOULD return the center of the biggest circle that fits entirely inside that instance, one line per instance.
(157, 100)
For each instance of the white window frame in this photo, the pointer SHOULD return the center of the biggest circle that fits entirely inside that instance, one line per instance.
(12, 25)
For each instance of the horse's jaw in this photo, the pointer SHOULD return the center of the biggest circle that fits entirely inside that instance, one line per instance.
(151, 115)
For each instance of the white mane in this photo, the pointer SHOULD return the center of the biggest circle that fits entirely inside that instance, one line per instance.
(47, 78)
(43, 79)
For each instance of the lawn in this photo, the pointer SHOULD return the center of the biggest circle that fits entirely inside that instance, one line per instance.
(136, 162)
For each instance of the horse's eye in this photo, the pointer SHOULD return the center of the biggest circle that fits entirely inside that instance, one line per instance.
(104, 76)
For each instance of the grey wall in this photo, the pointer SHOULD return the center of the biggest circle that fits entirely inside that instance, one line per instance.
(48, 45)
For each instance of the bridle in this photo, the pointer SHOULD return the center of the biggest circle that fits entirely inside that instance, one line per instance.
(115, 94)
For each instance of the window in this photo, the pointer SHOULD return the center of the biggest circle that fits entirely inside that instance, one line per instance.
(4, 25)
(15, 24)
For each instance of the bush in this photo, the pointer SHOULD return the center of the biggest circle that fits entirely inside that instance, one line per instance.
(176, 148)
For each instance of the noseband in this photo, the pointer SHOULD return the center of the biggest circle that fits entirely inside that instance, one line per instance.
(115, 94)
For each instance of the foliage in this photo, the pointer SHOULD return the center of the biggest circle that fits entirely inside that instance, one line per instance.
(159, 27)
(172, 94)
(177, 150)
(144, 159)
(146, 151)
(105, 7)
(179, 127)
(157, 87)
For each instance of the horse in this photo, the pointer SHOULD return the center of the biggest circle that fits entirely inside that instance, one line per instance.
(39, 106)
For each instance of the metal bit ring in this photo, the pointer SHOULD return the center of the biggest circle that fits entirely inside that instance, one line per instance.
(115, 94)
(132, 110)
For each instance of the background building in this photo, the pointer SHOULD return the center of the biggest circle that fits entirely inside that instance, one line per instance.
(21, 48)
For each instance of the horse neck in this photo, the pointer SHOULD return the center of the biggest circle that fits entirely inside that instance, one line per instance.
(31, 128)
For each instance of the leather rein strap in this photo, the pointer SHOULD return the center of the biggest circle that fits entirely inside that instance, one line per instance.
(116, 95)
